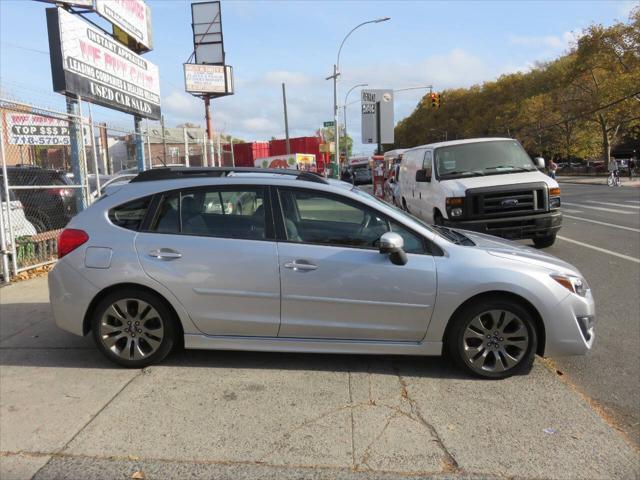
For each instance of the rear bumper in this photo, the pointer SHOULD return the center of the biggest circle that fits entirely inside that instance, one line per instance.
(69, 295)
(525, 226)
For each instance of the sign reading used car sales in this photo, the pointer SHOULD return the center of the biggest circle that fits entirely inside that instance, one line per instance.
(88, 63)
(28, 129)
(132, 16)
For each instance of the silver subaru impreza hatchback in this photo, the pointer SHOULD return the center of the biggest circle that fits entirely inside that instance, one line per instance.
(245, 259)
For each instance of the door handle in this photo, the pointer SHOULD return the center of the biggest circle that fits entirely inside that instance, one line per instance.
(165, 254)
(296, 265)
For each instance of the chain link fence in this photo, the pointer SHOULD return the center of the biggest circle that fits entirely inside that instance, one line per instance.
(41, 188)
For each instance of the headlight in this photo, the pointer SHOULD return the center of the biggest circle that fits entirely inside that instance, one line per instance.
(456, 212)
(554, 202)
(572, 283)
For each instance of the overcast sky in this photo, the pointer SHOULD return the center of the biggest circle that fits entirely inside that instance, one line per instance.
(446, 44)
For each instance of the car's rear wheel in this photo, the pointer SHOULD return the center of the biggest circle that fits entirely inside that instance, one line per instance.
(544, 242)
(134, 328)
(493, 338)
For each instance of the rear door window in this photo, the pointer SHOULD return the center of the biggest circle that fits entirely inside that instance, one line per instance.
(214, 212)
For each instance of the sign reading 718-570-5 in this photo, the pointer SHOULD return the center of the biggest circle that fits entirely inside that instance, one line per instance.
(90, 64)
(29, 129)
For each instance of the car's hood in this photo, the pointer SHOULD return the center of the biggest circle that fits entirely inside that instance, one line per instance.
(502, 248)
(459, 185)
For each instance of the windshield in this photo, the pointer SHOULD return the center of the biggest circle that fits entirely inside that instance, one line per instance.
(482, 158)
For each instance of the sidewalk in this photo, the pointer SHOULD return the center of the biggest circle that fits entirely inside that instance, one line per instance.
(590, 180)
(67, 413)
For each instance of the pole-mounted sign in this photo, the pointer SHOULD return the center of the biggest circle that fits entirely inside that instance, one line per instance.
(377, 116)
(208, 42)
(88, 63)
(211, 80)
(131, 21)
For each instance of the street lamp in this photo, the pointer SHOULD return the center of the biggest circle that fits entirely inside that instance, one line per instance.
(344, 111)
(336, 73)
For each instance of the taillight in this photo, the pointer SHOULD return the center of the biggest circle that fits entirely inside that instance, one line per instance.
(69, 240)
(63, 192)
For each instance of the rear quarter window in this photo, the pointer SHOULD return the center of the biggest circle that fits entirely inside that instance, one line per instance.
(131, 214)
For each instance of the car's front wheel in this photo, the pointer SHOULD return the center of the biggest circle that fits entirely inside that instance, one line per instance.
(134, 328)
(493, 338)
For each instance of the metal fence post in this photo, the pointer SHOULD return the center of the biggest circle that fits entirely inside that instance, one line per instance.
(7, 197)
(137, 123)
(205, 160)
(186, 146)
(149, 145)
(77, 150)
(95, 154)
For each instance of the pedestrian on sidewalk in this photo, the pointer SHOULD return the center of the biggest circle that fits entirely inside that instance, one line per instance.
(632, 165)
(553, 166)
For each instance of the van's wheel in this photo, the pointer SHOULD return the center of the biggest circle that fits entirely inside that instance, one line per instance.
(544, 242)
(134, 328)
(437, 218)
(404, 205)
(492, 338)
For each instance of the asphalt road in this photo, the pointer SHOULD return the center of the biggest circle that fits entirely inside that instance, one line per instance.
(600, 217)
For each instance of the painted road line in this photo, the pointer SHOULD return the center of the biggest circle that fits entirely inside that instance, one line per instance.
(598, 249)
(568, 210)
(621, 212)
(613, 204)
(632, 201)
(621, 227)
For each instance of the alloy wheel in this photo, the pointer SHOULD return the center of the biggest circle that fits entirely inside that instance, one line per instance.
(131, 329)
(495, 341)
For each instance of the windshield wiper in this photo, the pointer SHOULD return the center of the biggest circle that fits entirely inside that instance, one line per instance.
(512, 168)
(463, 172)
(455, 237)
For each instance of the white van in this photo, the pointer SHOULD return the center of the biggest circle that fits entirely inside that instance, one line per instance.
(488, 185)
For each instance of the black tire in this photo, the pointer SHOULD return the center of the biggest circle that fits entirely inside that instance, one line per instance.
(437, 218)
(164, 316)
(544, 242)
(460, 349)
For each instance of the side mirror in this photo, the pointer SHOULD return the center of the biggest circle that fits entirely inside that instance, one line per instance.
(393, 244)
(539, 161)
(423, 175)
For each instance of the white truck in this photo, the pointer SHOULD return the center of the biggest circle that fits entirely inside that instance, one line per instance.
(488, 185)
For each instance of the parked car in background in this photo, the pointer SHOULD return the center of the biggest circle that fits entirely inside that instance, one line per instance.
(46, 208)
(279, 260)
(489, 185)
(358, 171)
(19, 224)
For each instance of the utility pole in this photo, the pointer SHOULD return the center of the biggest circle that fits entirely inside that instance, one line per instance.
(378, 136)
(286, 120)
(186, 146)
(336, 158)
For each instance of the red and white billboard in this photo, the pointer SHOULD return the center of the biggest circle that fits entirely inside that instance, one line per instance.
(29, 129)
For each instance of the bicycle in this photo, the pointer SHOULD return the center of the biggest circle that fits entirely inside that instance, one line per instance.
(613, 180)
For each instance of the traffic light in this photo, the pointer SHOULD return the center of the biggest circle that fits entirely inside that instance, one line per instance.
(435, 100)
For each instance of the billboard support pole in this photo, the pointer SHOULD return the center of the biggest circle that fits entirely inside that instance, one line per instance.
(137, 123)
(75, 137)
(207, 117)
(205, 160)
(6, 240)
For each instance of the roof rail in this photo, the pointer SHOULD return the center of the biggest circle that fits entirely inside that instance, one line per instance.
(169, 173)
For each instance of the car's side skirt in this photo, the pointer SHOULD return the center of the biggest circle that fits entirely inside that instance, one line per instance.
(311, 345)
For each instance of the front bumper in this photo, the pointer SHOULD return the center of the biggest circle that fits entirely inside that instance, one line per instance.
(571, 327)
(513, 228)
